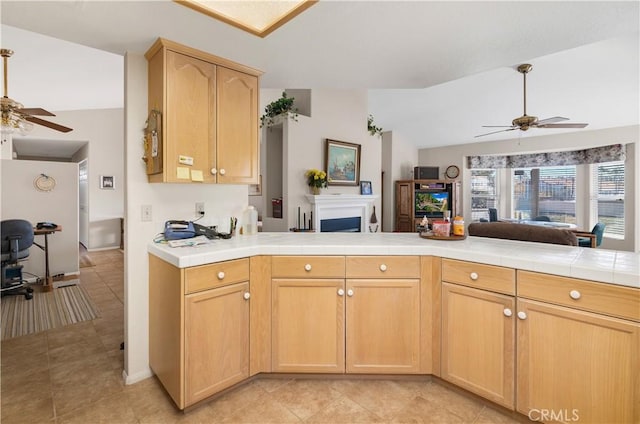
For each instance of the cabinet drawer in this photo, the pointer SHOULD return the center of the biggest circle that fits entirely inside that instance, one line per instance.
(383, 267)
(487, 277)
(617, 301)
(204, 277)
(307, 267)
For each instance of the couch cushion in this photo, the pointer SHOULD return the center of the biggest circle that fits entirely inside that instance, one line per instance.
(523, 232)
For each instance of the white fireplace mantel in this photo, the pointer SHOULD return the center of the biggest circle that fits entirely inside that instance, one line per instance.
(330, 206)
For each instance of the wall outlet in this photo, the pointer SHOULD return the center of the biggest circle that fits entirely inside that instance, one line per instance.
(146, 212)
(199, 208)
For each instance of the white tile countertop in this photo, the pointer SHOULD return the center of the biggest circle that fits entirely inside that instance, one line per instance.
(608, 266)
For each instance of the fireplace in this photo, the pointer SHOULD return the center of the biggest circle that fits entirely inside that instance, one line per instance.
(341, 212)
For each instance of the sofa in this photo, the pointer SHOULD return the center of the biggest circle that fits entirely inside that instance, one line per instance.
(523, 232)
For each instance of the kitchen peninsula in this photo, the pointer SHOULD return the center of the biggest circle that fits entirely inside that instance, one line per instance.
(394, 303)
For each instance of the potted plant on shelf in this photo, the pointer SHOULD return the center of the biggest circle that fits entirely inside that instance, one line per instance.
(373, 130)
(282, 106)
(316, 179)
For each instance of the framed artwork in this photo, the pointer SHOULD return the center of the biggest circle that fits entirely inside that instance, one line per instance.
(342, 163)
(365, 187)
(256, 189)
(107, 182)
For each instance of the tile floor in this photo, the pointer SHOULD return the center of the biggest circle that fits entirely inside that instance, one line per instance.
(74, 375)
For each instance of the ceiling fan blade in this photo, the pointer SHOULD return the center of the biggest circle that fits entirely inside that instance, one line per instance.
(495, 132)
(551, 120)
(498, 126)
(35, 111)
(48, 124)
(562, 126)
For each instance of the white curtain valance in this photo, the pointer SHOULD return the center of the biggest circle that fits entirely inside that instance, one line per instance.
(614, 152)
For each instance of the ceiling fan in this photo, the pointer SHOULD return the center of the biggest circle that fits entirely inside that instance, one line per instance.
(525, 122)
(15, 116)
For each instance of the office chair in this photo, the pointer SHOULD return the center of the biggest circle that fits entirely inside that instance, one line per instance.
(592, 239)
(542, 218)
(493, 214)
(17, 238)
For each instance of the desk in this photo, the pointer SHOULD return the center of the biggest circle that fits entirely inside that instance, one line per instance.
(48, 281)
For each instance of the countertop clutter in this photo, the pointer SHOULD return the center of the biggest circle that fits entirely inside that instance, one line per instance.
(608, 266)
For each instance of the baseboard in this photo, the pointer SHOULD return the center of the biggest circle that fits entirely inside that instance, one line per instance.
(132, 379)
(98, 249)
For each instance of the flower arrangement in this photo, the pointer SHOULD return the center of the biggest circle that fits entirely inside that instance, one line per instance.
(316, 179)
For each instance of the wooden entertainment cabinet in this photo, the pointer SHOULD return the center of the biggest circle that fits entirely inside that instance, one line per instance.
(406, 216)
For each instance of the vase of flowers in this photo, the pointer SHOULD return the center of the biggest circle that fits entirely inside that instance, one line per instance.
(316, 179)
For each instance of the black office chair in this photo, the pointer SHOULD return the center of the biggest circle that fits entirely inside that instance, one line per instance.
(493, 214)
(544, 218)
(17, 238)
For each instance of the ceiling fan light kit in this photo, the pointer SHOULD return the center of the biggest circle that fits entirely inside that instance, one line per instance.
(14, 116)
(524, 122)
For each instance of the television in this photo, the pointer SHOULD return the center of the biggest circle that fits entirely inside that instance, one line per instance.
(431, 204)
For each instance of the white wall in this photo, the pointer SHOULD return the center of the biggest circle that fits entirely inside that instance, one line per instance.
(455, 155)
(21, 200)
(103, 130)
(168, 201)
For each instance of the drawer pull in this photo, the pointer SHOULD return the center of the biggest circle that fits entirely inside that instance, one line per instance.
(473, 276)
(522, 315)
(246, 295)
(221, 275)
(507, 312)
(383, 267)
(307, 267)
(222, 171)
(349, 292)
(214, 171)
(340, 292)
(575, 294)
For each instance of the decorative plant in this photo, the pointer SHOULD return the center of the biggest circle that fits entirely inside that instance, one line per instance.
(282, 106)
(316, 178)
(373, 130)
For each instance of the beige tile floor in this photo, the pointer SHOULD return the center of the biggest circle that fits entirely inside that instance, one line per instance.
(74, 375)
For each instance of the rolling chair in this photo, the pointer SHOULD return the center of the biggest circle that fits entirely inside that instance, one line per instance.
(17, 238)
(544, 218)
(592, 239)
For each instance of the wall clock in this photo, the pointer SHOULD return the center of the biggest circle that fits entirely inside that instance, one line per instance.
(44, 183)
(452, 172)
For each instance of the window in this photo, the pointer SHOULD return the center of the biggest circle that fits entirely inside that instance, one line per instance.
(484, 193)
(549, 191)
(609, 195)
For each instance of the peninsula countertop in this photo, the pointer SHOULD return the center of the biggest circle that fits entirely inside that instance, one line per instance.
(607, 266)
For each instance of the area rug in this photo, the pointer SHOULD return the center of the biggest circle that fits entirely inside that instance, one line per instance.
(47, 310)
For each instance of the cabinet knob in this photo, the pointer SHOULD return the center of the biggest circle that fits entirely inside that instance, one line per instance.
(473, 276)
(246, 295)
(307, 267)
(507, 312)
(522, 315)
(349, 292)
(220, 275)
(214, 171)
(383, 267)
(340, 292)
(222, 171)
(575, 294)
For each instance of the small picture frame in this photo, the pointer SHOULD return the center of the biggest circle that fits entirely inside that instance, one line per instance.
(107, 182)
(365, 188)
(256, 189)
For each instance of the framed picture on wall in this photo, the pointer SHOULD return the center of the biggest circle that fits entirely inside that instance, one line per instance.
(342, 163)
(365, 187)
(107, 182)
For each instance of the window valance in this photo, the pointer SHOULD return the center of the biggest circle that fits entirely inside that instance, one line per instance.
(614, 152)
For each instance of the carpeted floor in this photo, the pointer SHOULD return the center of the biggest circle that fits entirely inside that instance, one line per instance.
(47, 310)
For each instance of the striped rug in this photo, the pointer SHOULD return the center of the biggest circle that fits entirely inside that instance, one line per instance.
(47, 310)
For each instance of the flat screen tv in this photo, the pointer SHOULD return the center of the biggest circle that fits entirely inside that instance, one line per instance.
(431, 204)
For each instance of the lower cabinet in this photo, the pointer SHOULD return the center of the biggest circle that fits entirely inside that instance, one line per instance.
(216, 340)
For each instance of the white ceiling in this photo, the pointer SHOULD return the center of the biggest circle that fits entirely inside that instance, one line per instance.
(438, 70)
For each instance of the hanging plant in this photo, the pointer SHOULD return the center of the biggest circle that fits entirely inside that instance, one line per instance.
(282, 106)
(373, 130)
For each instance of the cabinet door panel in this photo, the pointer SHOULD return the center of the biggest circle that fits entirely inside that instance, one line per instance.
(190, 115)
(383, 326)
(237, 127)
(308, 326)
(478, 342)
(577, 364)
(216, 340)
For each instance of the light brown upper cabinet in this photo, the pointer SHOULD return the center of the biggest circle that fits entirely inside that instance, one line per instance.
(208, 130)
